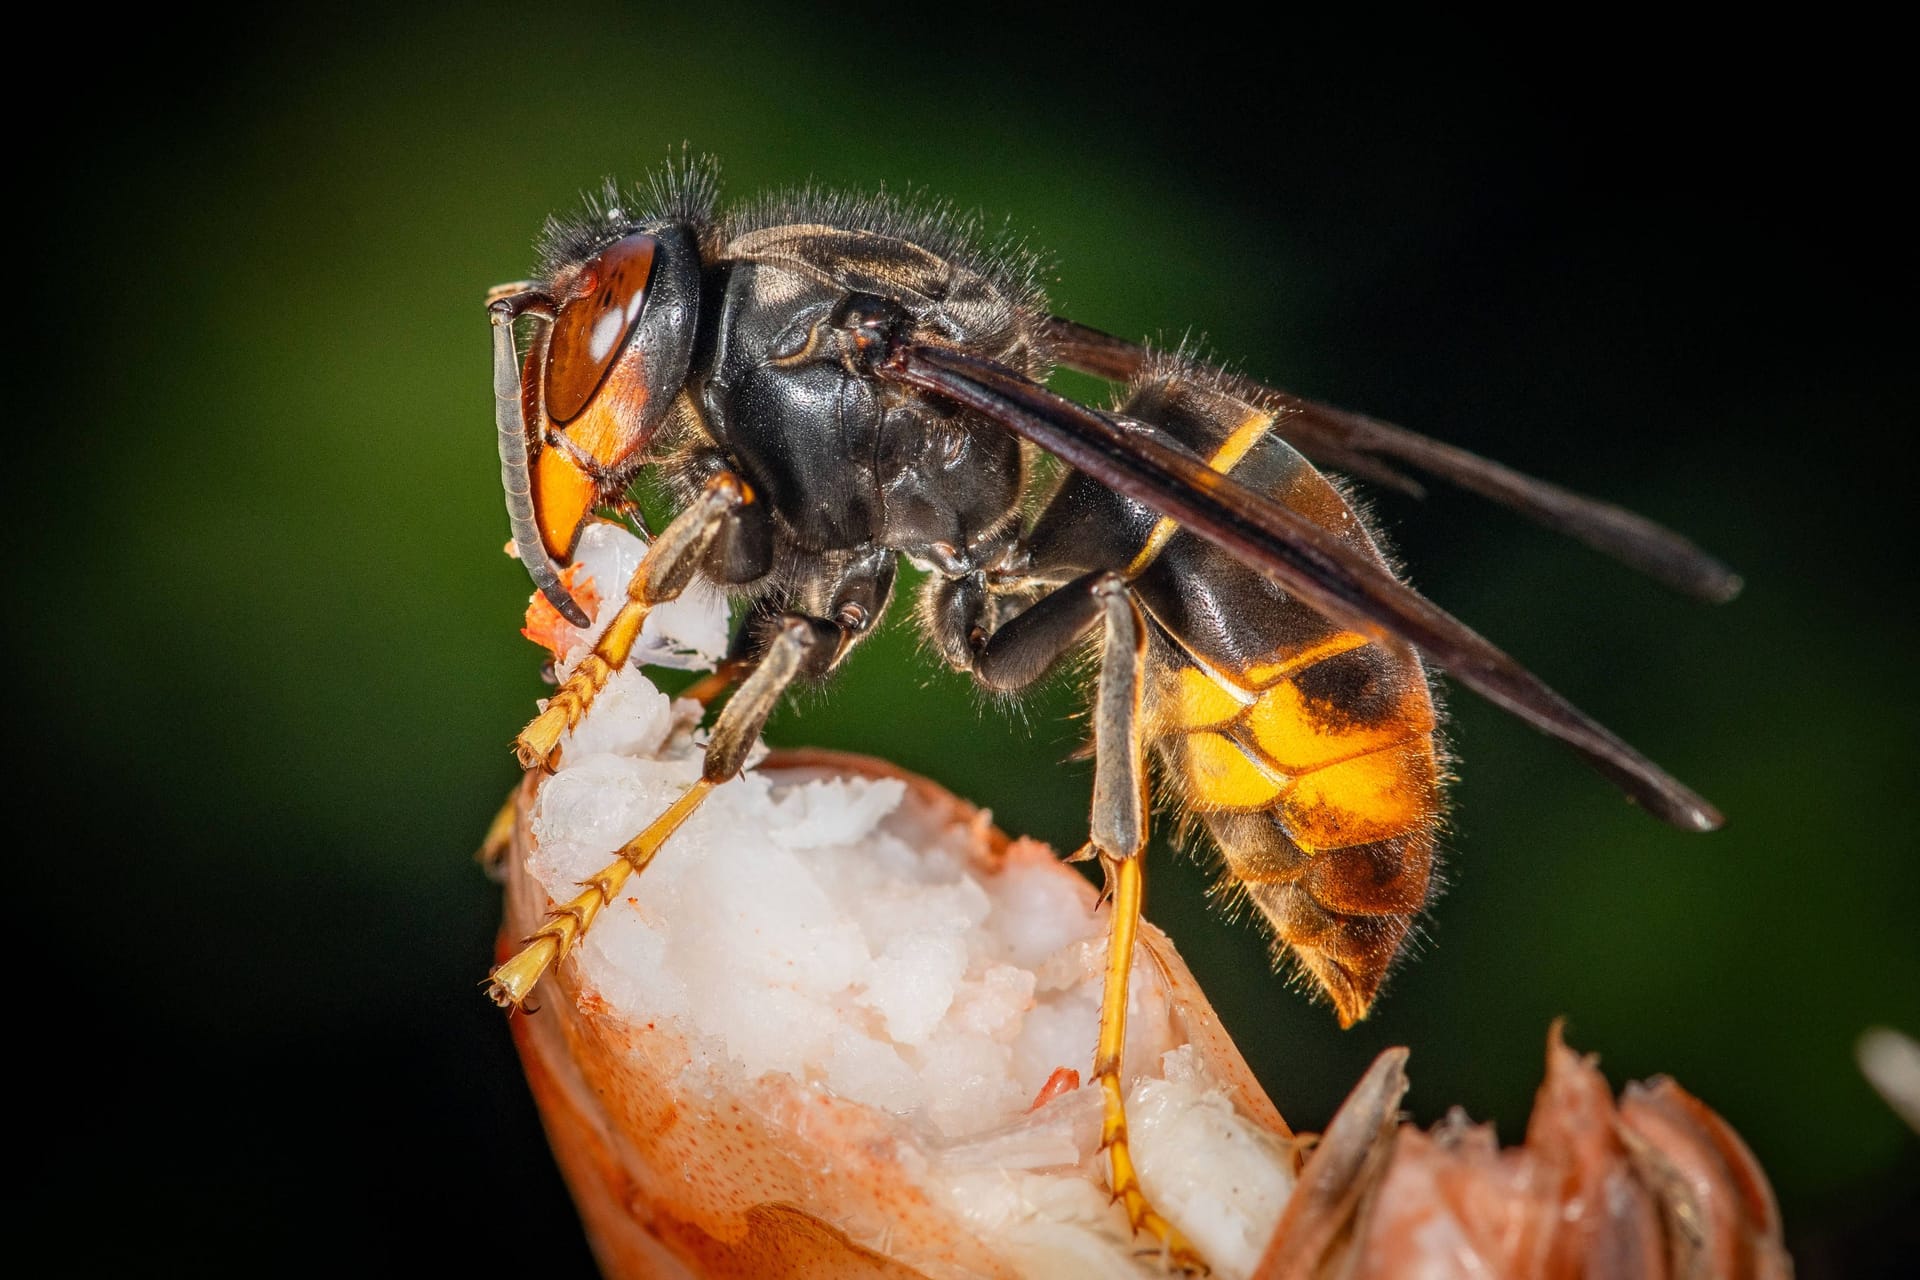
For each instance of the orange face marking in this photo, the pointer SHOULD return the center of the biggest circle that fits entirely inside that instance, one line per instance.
(591, 394)
(563, 495)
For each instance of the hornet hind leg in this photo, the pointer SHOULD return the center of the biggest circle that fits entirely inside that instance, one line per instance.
(1017, 653)
(1119, 831)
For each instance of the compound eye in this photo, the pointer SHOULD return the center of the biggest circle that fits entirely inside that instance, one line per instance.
(591, 328)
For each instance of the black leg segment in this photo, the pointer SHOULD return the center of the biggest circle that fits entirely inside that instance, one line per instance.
(1027, 645)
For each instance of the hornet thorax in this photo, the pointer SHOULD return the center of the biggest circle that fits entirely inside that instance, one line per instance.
(846, 463)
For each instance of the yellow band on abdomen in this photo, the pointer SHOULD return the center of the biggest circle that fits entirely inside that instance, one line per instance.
(1235, 447)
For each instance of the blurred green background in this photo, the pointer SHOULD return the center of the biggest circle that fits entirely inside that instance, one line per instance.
(270, 660)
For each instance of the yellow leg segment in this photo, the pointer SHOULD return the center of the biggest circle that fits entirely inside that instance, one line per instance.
(566, 924)
(538, 745)
(668, 566)
(1126, 878)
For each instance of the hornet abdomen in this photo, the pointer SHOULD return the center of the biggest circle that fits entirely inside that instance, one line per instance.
(1306, 749)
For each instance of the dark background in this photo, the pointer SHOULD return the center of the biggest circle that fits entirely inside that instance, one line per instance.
(269, 661)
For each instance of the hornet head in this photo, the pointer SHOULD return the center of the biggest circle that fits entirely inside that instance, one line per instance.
(575, 417)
